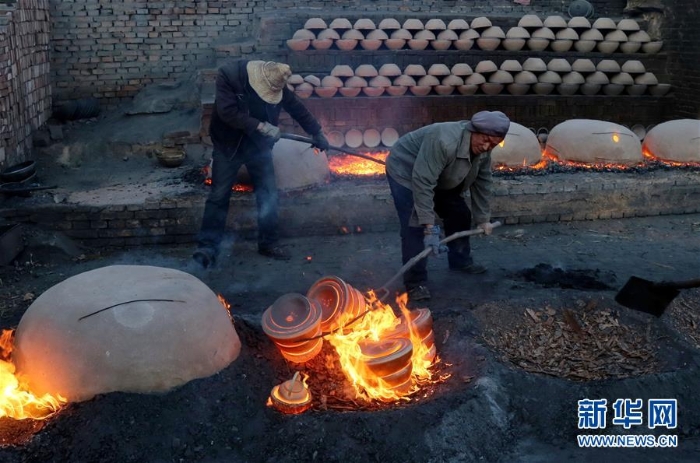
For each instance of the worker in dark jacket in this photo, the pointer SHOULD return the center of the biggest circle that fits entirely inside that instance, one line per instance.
(428, 171)
(249, 98)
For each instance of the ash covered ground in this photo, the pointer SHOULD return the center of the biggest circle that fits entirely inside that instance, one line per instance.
(502, 403)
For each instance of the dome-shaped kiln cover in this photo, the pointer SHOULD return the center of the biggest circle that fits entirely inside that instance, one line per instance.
(594, 142)
(519, 148)
(677, 140)
(103, 331)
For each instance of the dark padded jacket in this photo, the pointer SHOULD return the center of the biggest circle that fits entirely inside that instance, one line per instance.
(238, 110)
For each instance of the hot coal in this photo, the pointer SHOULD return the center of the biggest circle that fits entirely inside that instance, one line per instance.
(557, 168)
(548, 276)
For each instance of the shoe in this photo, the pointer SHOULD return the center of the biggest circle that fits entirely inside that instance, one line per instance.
(418, 293)
(275, 252)
(204, 257)
(472, 269)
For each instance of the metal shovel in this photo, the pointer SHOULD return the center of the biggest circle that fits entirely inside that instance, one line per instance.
(301, 138)
(653, 298)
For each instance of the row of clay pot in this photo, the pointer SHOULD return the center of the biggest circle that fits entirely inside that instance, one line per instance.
(370, 138)
(534, 74)
(529, 21)
(568, 84)
(493, 38)
(584, 65)
(531, 33)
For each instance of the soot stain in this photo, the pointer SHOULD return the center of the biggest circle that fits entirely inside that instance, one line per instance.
(584, 279)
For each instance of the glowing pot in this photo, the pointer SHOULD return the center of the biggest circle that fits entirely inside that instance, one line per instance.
(389, 360)
(290, 322)
(291, 397)
(339, 302)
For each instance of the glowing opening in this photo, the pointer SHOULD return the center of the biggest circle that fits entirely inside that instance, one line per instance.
(615, 138)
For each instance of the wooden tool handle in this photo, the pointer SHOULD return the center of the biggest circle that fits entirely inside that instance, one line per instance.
(425, 253)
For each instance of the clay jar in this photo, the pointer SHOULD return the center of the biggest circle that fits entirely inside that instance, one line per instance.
(290, 322)
(291, 397)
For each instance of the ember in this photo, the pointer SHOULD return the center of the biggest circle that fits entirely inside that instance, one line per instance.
(239, 187)
(350, 165)
(383, 358)
(15, 400)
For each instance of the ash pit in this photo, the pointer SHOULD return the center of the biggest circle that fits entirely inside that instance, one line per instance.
(585, 279)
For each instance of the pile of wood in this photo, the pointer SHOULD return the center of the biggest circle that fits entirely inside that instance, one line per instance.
(582, 345)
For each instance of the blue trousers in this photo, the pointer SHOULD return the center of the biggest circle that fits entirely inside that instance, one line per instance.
(224, 170)
(456, 216)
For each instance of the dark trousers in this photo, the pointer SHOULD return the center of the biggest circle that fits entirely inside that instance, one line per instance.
(223, 175)
(451, 207)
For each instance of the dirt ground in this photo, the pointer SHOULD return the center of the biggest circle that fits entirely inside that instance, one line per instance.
(522, 343)
(490, 409)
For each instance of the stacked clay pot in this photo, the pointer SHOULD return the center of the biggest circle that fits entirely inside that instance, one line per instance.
(553, 33)
(421, 322)
(290, 322)
(338, 301)
(387, 362)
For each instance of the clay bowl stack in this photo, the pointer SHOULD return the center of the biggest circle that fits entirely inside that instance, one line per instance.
(387, 362)
(610, 68)
(516, 38)
(421, 322)
(540, 39)
(629, 27)
(338, 301)
(634, 68)
(301, 40)
(611, 36)
(291, 321)
(588, 40)
(490, 38)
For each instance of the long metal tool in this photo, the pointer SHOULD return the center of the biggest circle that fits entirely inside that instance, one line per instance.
(301, 138)
(384, 291)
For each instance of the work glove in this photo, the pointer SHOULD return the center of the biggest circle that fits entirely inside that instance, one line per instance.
(486, 226)
(320, 141)
(432, 239)
(270, 131)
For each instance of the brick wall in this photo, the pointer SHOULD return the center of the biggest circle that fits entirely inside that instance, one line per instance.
(682, 40)
(109, 49)
(25, 88)
(328, 209)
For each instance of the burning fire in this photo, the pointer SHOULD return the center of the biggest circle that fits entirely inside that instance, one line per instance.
(378, 326)
(16, 401)
(350, 165)
(344, 165)
(239, 187)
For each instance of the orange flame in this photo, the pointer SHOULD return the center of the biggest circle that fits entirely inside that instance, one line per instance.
(223, 301)
(650, 157)
(239, 187)
(16, 401)
(380, 324)
(350, 165)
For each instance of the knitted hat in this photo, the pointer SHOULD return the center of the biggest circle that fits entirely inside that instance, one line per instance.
(268, 79)
(490, 123)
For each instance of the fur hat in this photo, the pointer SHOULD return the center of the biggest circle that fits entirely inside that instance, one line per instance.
(268, 79)
(490, 123)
